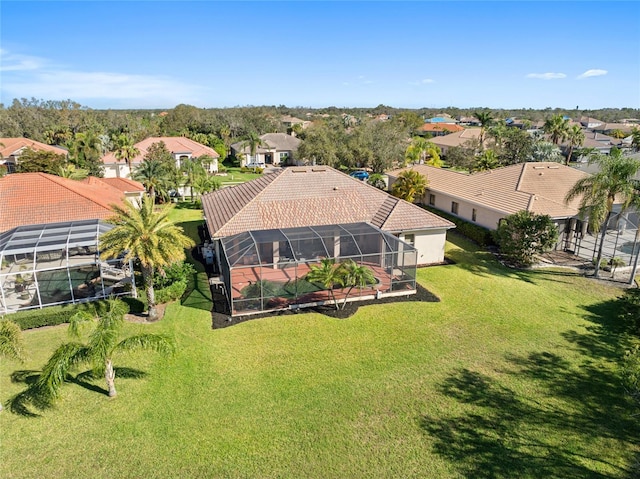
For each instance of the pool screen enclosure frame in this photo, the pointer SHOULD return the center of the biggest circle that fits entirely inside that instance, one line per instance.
(265, 270)
(58, 263)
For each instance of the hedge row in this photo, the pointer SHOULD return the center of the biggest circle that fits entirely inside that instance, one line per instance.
(477, 233)
(53, 315)
(171, 293)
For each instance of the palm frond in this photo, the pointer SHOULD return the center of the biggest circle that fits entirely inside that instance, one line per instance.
(11, 340)
(60, 364)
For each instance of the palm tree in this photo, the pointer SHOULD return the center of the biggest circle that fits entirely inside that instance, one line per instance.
(488, 160)
(557, 128)
(192, 169)
(421, 151)
(485, 119)
(125, 151)
(253, 142)
(71, 172)
(86, 149)
(101, 347)
(598, 192)
(327, 274)
(154, 176)
(575, 138)
(410, 186)
(545, 151)
(10, 341)
(205, 184)
(148, 235)
(352, 275)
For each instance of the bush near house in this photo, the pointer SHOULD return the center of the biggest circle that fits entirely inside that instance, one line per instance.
(523, 235)
(54, 315)
(476, 233)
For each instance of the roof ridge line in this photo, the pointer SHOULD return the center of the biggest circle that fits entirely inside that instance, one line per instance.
(54, 179)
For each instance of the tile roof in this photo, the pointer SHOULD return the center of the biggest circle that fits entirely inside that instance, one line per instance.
(450, 127)
(310, 196)
(14, 145)
(122, 184)
(175, 144)
(458, 138)
(38, 198)
(537, 187)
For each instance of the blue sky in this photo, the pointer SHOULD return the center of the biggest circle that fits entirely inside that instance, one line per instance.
(316, 54)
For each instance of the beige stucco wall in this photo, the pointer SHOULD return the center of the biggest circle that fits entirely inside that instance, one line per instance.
(484, 216)
(430, 245)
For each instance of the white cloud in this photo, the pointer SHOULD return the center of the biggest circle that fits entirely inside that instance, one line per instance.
(425, 81)
(13, 62)
(546, 76)
(592, 73)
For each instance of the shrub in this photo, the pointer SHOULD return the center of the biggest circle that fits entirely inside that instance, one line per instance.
(54, 315)
(522, 235)
(171, 293)
(476, 233)
(178, 271)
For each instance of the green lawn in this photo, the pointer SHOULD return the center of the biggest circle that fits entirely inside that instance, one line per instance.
(235, 176)
(512, 374)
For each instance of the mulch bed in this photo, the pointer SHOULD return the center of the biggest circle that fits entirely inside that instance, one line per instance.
(223, 319)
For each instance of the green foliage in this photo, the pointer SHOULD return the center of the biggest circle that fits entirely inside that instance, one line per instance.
(11, 344)
(423, 151)
(479, 234)
(172, 292)
(377, 180)
(522, 235)
(410, 186)
(53, 315)
(557, 127)
(39, 161)
(488, 160)
(630, 311)
(177, 271)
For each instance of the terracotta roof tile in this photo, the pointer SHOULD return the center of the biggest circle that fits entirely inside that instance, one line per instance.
(309, 196)
(38, 198)
(175, 144)
(14, 145)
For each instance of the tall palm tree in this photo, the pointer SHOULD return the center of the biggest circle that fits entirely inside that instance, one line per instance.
(410, 186)
(486, 120)
(598, 192)
(148, 235)
(125, 150)
(86, 149)
(575, 138)
(154, 176)
(99, 350)
(253, 142)
(327, 274)
(422, 150)
(10, 341)
(205, 184)
(352, 275)
(71, 172)
(192, 169)
(557, 128)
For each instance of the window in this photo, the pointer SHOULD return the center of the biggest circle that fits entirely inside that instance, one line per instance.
(432, 200)
(410, 239)
(473, 214)
(454, 207)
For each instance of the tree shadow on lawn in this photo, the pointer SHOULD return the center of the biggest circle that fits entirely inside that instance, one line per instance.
(505, 433)
(24, 402)
(484, 263)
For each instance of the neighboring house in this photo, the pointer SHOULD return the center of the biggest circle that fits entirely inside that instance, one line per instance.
(438, 129)
(12, 148)
(524, 124)
(290, 210)
(275, 149)
(442, 119)
(590, 123)
(458, 138)
(290, 121)
(608, 128)
(594, 141)
(468, 121)
(133, 191)
(180, 147)
(484, 198)
(49, 233)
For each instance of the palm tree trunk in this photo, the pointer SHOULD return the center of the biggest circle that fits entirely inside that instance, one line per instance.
(602, 237)
(344, 303)
(110, 376)
(147, 277)
(569, 155)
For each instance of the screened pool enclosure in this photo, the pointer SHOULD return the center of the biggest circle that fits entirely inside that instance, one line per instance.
(42, 265)
(266, 270)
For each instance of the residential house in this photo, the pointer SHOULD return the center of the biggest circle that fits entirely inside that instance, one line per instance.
(590, 123)
(290, 121)
(181, 149)
(596, 142)
(292, 218)
(458, 138)
(12, 148)
(442, 118)
(438, 129)
(485, 198)
(49, 232)
(467, 121)
(275, 149)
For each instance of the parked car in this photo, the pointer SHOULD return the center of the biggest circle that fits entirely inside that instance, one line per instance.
(360, 175)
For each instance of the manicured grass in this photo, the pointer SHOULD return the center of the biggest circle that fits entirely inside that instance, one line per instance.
(512, 374)
(234, 176)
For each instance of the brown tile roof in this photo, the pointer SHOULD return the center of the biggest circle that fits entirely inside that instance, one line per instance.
(450, 127)
(458, 138)
(175, 144)
(310, 196)
(537, 187)
(38, 198)
(14, 145)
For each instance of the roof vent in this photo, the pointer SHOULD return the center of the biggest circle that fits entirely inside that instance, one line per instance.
(318, 169)
(335, 188)
(555, 167)
(298, 171)
(538, 167)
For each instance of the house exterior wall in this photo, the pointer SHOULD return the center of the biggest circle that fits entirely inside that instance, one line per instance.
(429, 243)
(122, 170)
(484, 216)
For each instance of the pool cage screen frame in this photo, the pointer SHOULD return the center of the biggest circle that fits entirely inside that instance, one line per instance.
(264, 270)
(58, 263)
